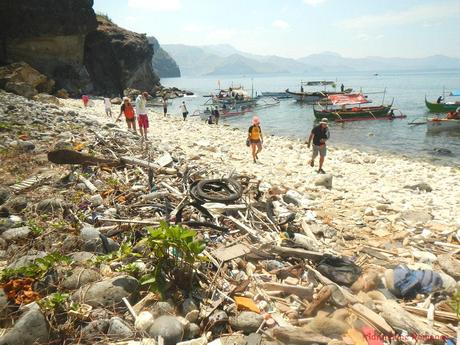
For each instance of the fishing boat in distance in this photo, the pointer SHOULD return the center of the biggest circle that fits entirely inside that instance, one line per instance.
(354, 107)
(316, 95)
(443, 106)
(279, 95)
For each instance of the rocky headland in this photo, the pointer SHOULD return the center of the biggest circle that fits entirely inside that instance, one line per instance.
(77, 50)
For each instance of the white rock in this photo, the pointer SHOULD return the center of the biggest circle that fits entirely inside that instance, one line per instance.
(144, 321)
(96, 200)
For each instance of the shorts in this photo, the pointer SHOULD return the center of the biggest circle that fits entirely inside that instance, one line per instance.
(131, 120)
(143, 120)
(319, 149)
(254, 141)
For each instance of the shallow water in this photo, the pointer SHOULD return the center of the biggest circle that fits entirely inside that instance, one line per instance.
(292, 119)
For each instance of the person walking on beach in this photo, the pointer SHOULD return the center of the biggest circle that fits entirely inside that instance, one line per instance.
(141, 111)
(319, 135)
(108, 106)
(128, 110)
(165, 106)
(183, 109)
(255, 138)
(216, 115)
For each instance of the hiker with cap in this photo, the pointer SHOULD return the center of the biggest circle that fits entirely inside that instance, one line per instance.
(141, 111)
(319, 134)
(255, 139)
(128, 110)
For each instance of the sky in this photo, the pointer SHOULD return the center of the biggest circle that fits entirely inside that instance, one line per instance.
(297, 28)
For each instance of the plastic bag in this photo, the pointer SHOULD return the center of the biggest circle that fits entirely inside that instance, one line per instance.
(248, 143)
(339, 270)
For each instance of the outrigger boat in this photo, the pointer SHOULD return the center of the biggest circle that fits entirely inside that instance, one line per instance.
(226, 111)
(441, 124)
(233, 96)
(315, 96)
(441, 106)
(279, 95)
(347, 108)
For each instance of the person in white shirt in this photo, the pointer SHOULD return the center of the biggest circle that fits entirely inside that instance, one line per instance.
(184, 110)
(141, 111)
(108, 106)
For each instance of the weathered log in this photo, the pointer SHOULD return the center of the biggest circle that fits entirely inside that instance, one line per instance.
(373, 318)
(299, 336)
(301, 291)
(321, 299)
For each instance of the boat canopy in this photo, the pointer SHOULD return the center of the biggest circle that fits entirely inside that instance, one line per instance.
(340, 99)
(455, 93)
(319, 82)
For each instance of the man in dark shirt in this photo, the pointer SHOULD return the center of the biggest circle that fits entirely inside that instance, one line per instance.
(319, 134)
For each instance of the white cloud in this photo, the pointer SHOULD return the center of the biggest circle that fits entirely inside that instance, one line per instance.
(280, 24)
(313, 2)
(367, 37)
(157, 5)
(418, 14)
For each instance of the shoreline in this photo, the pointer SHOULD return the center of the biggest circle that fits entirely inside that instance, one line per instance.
(364, 180)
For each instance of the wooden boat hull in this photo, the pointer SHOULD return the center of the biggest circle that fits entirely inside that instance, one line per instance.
(314, 97)
(441, 107)
(276, 94)
(361, 113)
(439, 125)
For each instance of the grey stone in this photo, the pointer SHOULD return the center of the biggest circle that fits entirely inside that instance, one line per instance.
(26, 260)
(423, 186)
(237, 339)
(188, 305)
(81, 257)
(254, 339)
(88, 232)
(3, 244)
(4, 195)
(16, 233)
(108, 292)
(51, 205)
(193, 331)
(119, 329)
(95, 329)
(169, 328)
(80, 276)
(324, 180)
(11, 222)
(26, 146)
(16, 205)
(246, 321)
(218, 316)
(31, 328)
(162, 308)
(96, 200)
(193, 315)
(96, 245)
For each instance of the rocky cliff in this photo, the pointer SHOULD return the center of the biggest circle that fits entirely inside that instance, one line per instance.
(49, 35)
(163, 64)
(117, 59)
(64, 40)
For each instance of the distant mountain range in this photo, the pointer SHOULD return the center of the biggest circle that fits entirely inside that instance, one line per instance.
(224, 59)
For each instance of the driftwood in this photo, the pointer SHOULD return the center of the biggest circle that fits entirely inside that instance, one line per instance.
(399, 319)
(321, 298)
(301, 291)
(74, 157)
(372, 318)
(299, 336)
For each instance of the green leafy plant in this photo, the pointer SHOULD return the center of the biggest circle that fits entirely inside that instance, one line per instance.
(35, 228)
(454, 302)
(38, 269)
(173, 250)
(54, 301)
(125, 251)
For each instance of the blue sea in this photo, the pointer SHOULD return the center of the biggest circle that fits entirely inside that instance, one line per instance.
(290, 118)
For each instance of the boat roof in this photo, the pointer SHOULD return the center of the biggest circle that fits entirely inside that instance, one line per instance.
(455, 93)
(318, 82)
(341, 99)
